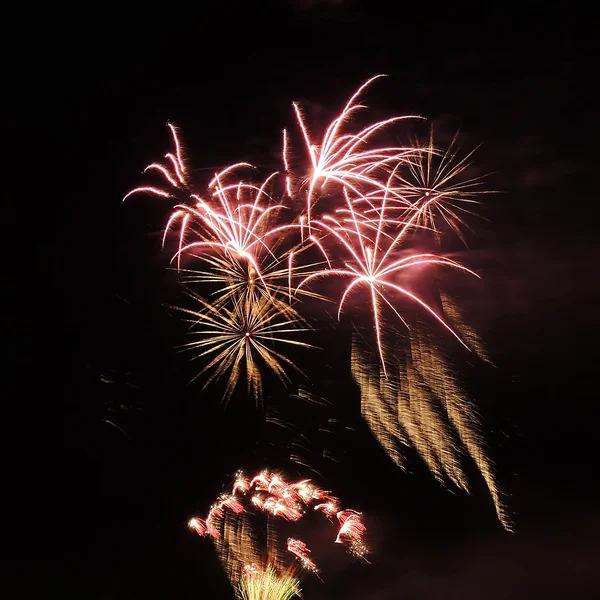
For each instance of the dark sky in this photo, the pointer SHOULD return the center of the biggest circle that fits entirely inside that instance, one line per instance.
(100, 514)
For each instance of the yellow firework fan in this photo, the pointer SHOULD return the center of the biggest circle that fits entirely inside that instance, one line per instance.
(267, 584)
(240, 334)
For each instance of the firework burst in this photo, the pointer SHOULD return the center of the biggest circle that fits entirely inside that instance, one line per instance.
(235, 337)
(373, 261)
(346, 159)
(436, 189)
(235, 220)
(231, 218)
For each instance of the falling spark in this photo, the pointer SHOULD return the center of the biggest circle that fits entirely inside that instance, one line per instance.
(419, 403)
(455, 315)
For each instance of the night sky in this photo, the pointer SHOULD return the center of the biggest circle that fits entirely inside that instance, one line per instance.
(100, 512)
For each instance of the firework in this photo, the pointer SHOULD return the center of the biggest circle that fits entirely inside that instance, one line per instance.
(241, 483)
(434, 186)
(345, 158)
(174, 185)
(236, 337)
(232, 219)
(299, 549)
(249, 238)
(267, 584)
(236, 220)
(352, 529)
(374, 263)
(271, 494)
(351, 525)
(235, 223)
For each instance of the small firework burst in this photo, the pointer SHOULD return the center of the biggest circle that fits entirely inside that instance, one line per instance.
(237, 337)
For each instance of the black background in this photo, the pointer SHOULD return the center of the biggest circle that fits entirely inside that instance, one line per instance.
(99, 513)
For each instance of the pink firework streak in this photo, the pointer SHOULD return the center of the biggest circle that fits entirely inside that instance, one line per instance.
(240, 484)
(342, 157)
(174, 174)
(301, 552)
(286, 165)
(329, 509)
(271, 493)
(352, 530)
(351, 526)
(207, 527)
(277, 507)
(371, 243)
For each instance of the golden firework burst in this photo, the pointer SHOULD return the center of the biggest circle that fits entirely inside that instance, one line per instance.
(436, 187)
(240, 334)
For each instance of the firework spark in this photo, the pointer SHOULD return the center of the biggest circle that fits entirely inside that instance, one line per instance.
(299, 549)
(352, 529)
(351, 525)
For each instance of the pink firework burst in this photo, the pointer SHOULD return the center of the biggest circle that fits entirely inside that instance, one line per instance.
(346, 158)
(236, 220)
(371, 244)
